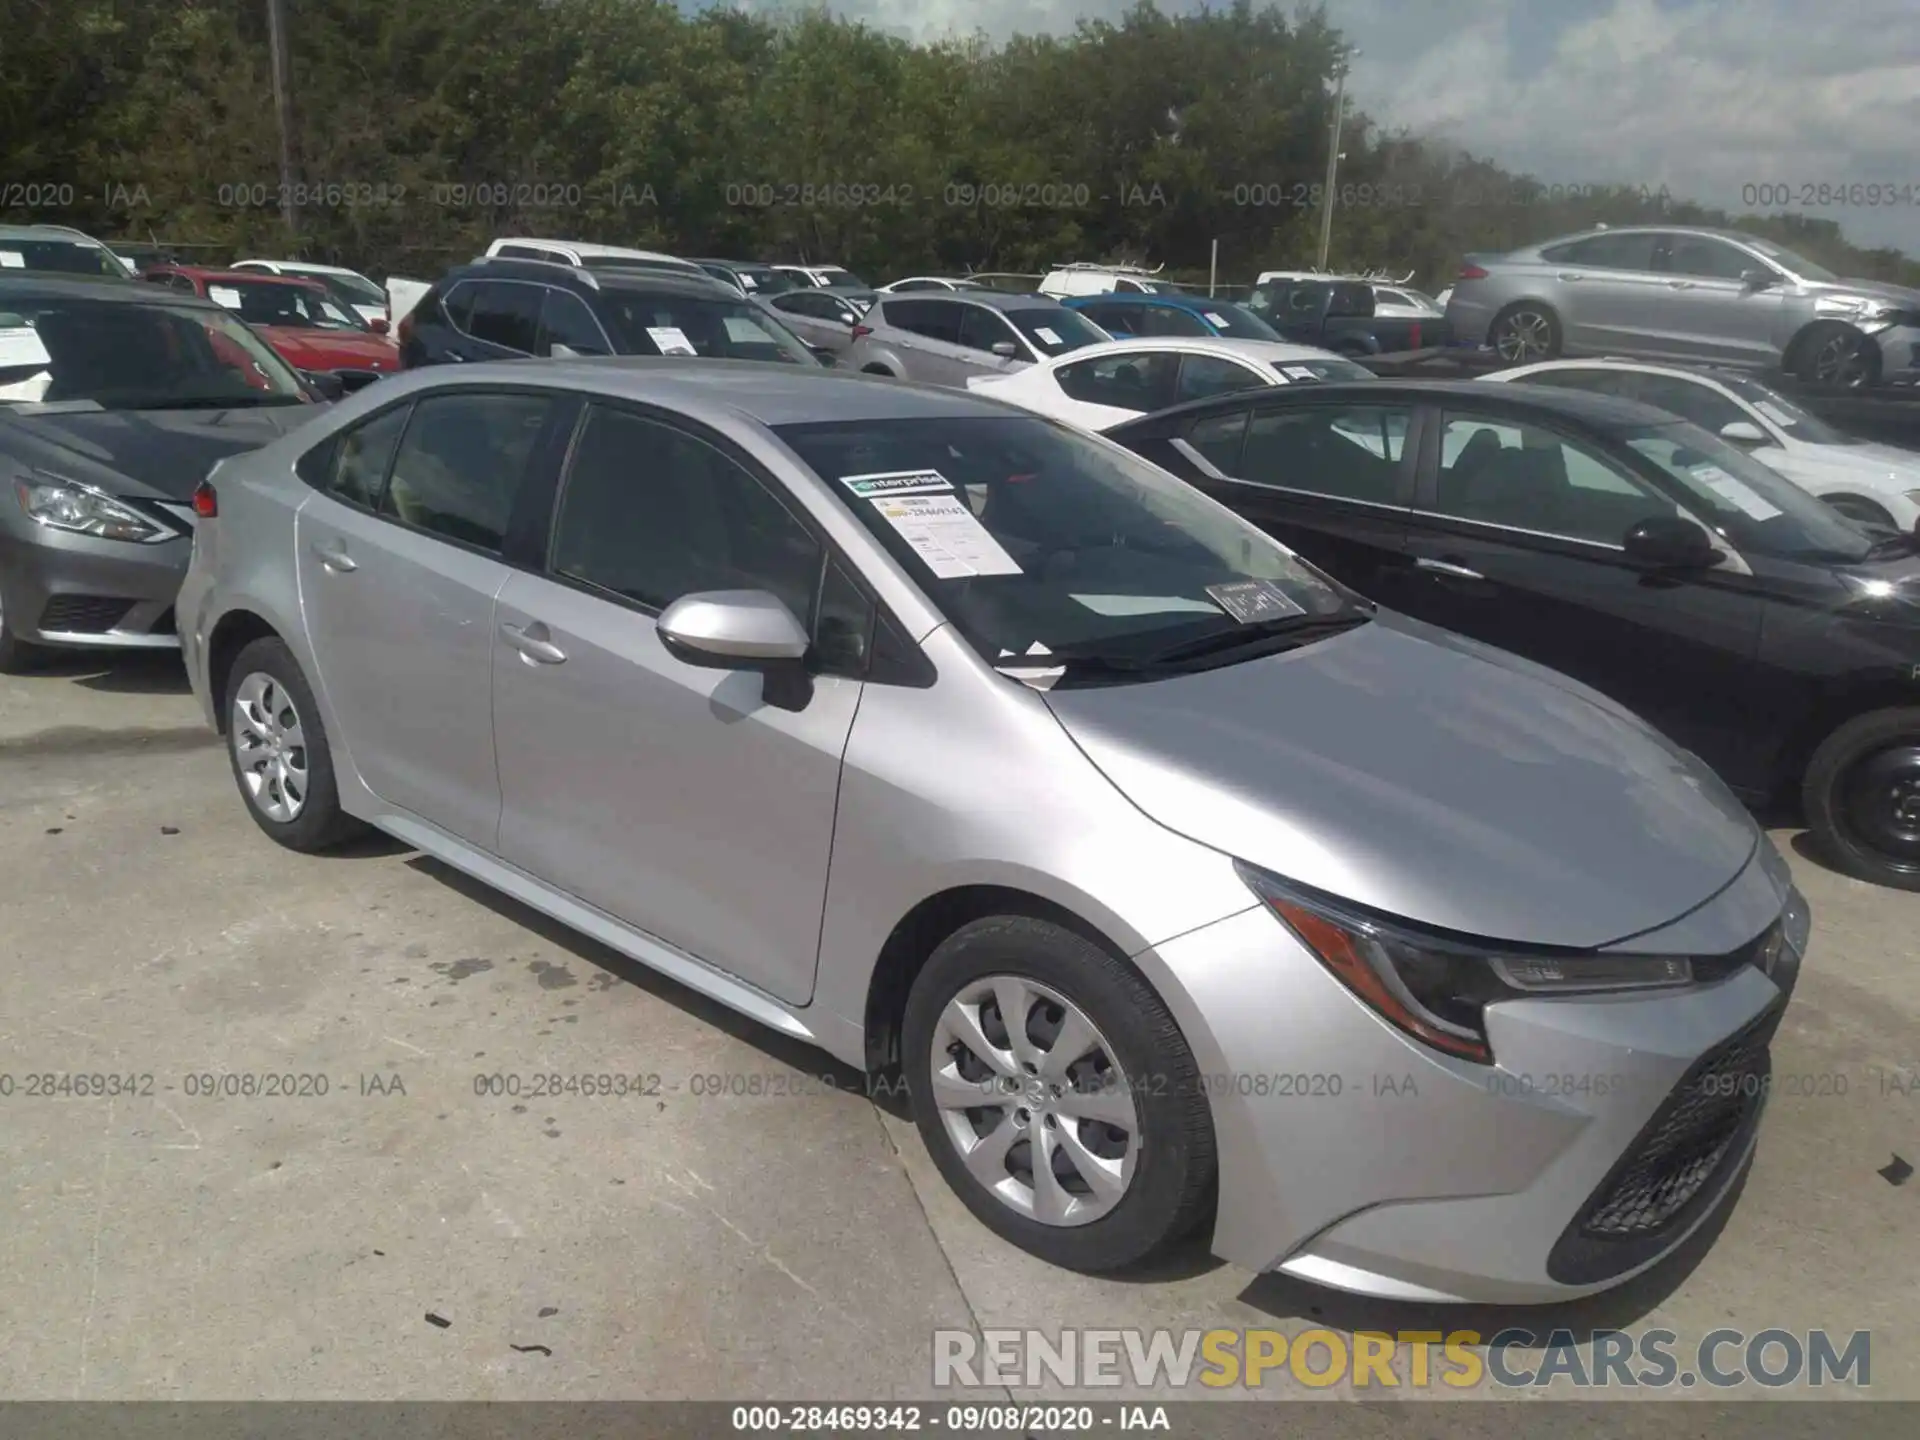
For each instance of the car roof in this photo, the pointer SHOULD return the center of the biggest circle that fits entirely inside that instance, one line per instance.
(581, 281)
(311, 265)
(1601, 412)
(1165, 299)
(1722, 374)
(1275, 350)
(585, 248)
(992, 299)
(243, 277)
(766, 394)
(49, 232)
(37, 284)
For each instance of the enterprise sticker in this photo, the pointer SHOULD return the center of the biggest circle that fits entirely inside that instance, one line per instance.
(897, 482)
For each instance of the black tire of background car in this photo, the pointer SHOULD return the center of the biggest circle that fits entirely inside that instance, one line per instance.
(878, 370)
(321, 823)
(17, 657)
(1861, 512)
(1821, 358)
(1826, 798)
(1172, 1190)
(1556, 337)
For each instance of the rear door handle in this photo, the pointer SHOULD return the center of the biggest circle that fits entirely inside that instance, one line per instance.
(1680, 284)
(532, 642)
(1447, 567)
(334, 557)
(1569, 275)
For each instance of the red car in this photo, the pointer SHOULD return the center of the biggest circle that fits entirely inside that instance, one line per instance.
(306, 326)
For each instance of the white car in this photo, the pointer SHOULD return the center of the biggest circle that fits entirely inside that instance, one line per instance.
(585, 255)
(1866, 481)
(929, 282)
(1100, 386)
(1403, 302)
(825, 277)
(349, 287)
(1064, 281)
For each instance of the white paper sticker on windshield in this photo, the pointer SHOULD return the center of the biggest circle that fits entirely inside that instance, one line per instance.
(12, 260)
(747, 282)
(1213, 319)
(1298, 372)
(20, 345)
(1774, 413)
(1046, 336)
(944, 534)
(224, 295)
(1733, 491)
(669, 340)
(882, 483)
(1117, 605)
(745, 330)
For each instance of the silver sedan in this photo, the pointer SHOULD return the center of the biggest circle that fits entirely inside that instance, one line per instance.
(1185, 890)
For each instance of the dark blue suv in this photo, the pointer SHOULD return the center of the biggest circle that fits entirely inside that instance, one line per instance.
(1126, 317)
(510, 309)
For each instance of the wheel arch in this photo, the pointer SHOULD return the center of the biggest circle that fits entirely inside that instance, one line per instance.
(1834, 709)
(232, 633)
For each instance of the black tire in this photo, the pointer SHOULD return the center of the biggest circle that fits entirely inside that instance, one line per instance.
(1171, 1189)
(878, 370)
(1526, 316)
(321, 823)
(1861, 512)
(1862, 797)
(1835, 356)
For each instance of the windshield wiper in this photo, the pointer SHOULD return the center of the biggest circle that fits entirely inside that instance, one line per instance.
(1272, 636)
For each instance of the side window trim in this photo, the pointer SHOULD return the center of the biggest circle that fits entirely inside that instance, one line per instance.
(585, 309)
(1408, 472)
(338, 443)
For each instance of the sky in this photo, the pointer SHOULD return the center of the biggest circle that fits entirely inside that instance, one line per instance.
(1704, 97)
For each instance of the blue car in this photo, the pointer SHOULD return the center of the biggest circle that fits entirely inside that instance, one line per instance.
(1159, 315)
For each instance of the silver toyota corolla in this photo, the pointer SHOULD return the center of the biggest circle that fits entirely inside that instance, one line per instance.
(1182, 887)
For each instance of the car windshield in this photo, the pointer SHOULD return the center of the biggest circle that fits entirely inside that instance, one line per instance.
(1237, 322)
(716, 328)
(1791, 260)
(149, 355)
(1799, 423)
(1330, 367)
(1055, 330)
(1752, 507)
(59, 257)
(353, 289)
(835, 278)
(1043, 545)
(288, 306)
(764, 280)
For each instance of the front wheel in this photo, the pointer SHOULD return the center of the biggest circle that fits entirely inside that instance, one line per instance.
(278, 747)
(1057, 1095)
(1837, 355)
(1862, 796)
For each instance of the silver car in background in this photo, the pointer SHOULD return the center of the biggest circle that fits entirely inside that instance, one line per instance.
(1185, 890)
(1668, 293)
(947, 339)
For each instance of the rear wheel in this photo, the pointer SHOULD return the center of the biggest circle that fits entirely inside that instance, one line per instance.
(1862, 797)
(278, 747)
(878, 370)
(1057, 1095)
(1524, 333)
(16, 655)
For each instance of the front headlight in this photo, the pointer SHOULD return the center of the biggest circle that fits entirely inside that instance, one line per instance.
(68, 505)
(1436, 988)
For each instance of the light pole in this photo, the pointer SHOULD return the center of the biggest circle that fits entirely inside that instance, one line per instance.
(283, 104)
(1333, 155)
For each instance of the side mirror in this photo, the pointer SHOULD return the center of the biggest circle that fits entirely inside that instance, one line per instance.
(378, 324)
(1743, 432)
(1006, 349)
(1671, 542)
(1758, 279)
(324, 384)
(741, 630)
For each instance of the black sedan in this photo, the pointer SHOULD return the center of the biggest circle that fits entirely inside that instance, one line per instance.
(1632, 551)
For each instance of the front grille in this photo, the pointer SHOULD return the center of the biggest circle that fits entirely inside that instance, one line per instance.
(1676, 1163)
(83, 614)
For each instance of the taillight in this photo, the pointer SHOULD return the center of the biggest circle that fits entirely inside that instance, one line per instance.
(1471, 272)
(206, 503)
(1413, 338)
(862, 331)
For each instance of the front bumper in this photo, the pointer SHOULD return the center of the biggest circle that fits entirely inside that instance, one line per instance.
(1899, 355)
(1354, 1158)
(62, 589)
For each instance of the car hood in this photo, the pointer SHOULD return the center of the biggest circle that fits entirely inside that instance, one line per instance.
(161, 453)
(1427, 777)
(1879, 289)
(331, 349)
(1883, 467)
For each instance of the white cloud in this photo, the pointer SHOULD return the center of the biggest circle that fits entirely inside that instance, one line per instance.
(1704, 97)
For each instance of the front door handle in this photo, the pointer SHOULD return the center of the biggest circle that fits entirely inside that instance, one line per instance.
(532, 642)
(1447, 567)
(1569, 275)
(334, 557)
